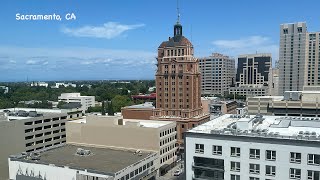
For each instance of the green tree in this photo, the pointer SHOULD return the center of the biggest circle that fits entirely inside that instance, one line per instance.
(120, 101)
(103, 110)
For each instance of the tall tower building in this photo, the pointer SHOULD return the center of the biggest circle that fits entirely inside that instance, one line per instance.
(292, 57)
(217, 74)
(178, 83)
(312, 75)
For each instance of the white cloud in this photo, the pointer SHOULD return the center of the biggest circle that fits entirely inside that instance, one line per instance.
(247, 45)
(31, 62)
(108, 30)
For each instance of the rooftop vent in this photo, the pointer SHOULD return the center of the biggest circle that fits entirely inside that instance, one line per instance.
(83, 152)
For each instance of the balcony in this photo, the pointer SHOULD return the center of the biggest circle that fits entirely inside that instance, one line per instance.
(211, 167)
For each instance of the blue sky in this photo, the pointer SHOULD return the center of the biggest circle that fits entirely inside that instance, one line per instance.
(118, 39)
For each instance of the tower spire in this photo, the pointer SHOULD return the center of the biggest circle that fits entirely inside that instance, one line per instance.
(178, 12)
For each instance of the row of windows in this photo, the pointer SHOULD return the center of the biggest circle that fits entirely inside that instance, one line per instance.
(168, 148)
(254, 168)
(166, 158)
(44, 127)
(49, 145)
(137, 171)
(293, 174)
(168, 131)
(270, 155)
(167, 140)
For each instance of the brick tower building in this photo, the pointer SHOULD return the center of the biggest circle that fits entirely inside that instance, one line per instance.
(178, 84)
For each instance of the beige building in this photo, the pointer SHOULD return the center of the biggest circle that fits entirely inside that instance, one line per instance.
(26, 130)
(298, 57)
(293, 103)
(273, 82)
(139, 111)
(116, 132)
(217, 74)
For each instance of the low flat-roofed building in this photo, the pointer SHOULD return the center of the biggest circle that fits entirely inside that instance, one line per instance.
(293, 103)
(24, 129)
(139, 111)
(114, 131)
(83, 163)
(254, 147)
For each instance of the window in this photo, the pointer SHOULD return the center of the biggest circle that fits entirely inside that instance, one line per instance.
(235, 151)
(253, 178)
(217, 150)
(254, 154)
(254, 168)
(235, 177)
(313, 175)
(199, 148)
(270, 170)
(235, 166)
(295, 173)
(271, 155)
(295, 157)
(314, 159)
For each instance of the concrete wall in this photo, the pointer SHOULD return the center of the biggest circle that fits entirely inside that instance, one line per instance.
(103, 131)
(12, 142)
(130, 113)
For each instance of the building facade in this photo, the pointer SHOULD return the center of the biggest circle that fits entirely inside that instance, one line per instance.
(252, 75)
(253, 147)
(217, 74)
(178, 82)
(85, 101)
(298, 57)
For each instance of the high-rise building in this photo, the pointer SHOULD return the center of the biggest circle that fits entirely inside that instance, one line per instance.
(292, 57)
(312, 76)
(217, 74)
(252, 75)
(178, 82)
(273, 81)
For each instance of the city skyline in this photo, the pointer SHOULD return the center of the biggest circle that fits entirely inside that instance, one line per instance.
(117, 39)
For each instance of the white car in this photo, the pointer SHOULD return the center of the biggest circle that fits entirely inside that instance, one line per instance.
(177, 172)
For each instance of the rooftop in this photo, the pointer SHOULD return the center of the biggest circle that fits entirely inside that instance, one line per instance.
(302, 128)
(27, 113)
(101, 160)
(146, 105)
(142, 123)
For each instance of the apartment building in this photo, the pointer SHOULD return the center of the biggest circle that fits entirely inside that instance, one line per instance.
(273, 82)
(298, 57)
(27, 130)
(252, 75)
(254, 147)
(114, 131)
(85, 101)
(217, 74)
(72, 162)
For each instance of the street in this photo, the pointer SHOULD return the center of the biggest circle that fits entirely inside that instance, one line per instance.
(170, 176)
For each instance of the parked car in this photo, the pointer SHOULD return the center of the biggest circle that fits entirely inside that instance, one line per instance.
(177, 172)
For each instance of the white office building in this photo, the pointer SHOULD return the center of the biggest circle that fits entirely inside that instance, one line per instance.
(86, 101)
(234, 147)
(43, 84)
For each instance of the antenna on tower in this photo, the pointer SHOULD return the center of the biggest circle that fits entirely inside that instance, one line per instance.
(191, 33)
(178, 11)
